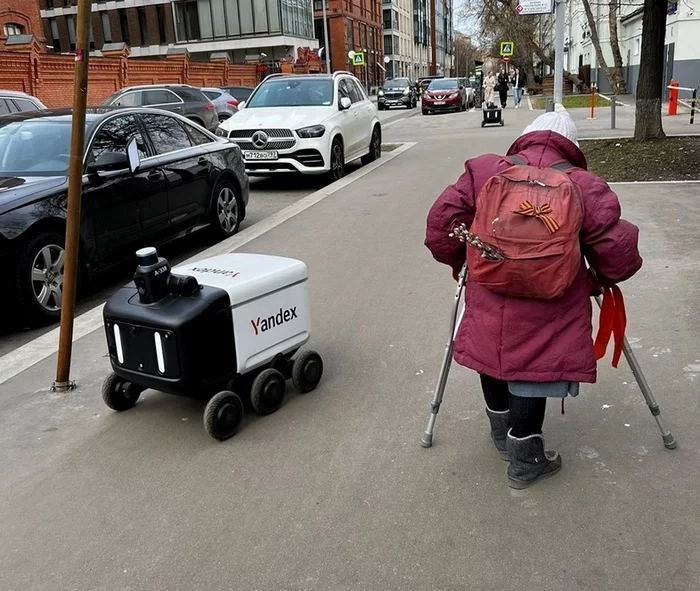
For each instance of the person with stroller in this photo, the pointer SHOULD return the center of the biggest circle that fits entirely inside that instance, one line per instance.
(525, 349)
(502, 87)
(518, 82)
(489, 86)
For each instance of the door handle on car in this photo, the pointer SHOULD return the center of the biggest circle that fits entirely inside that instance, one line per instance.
(155, 175)
(203, 161)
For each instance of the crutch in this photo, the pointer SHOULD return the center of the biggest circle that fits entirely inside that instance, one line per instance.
(455, 321)
(669, 440)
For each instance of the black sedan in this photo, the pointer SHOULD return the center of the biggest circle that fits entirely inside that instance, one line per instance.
(149, 177)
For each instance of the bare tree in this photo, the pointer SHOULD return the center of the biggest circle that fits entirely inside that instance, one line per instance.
(614, 75)
(647, 123)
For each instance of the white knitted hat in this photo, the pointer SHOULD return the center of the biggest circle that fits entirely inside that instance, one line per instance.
(558, 122)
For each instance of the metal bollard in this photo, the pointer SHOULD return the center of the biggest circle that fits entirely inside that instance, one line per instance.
(613, 106)
(549, 106)
(693, 102)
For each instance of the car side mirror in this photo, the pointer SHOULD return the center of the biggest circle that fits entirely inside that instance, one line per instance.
(241, 105)
(108, 162)
(345, 103)
(132, 153)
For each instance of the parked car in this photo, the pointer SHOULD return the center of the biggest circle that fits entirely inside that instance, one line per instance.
(469, 88)
(150, 176)
(241, 93)
(12, 101)
(397, 92)
(425, 81)
(446, 94)
(225, 104)
(312, 124)
(177, 98)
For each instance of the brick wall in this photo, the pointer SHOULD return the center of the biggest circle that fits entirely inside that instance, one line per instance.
(50, 77)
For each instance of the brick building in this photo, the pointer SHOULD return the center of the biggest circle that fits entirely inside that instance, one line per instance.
(236, 29)
(353, 25)
(20, 18)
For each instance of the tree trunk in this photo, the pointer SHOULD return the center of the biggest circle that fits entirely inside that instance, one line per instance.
(647, 123)
(619, 86)
(602, 62)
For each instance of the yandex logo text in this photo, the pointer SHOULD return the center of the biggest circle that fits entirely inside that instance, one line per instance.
(265, 324)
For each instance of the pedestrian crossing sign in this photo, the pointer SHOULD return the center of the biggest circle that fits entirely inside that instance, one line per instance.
(358, 58)
(507, 48)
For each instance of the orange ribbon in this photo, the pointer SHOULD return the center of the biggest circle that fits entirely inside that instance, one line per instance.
(541, 213)
(613, 322)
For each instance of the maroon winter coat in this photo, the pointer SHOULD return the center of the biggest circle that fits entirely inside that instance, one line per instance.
(526, 339)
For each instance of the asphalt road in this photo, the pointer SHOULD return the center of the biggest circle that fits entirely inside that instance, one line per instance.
(333, 492)
(267, 196)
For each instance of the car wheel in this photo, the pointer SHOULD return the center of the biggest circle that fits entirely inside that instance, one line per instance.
(375, 147)
(227, 209)
(223, 118)
(39, 278)
(197, 121)
(337, 161)
(425, 111)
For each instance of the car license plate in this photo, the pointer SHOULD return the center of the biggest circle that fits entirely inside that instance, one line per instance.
(260, 155)
(439, 102)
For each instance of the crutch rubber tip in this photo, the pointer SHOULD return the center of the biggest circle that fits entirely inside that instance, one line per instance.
(427, 440)
(670, 441)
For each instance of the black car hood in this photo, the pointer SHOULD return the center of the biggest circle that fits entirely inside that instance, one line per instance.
(16, 191)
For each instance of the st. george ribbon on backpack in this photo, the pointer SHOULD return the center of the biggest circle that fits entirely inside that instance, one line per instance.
(533, 216)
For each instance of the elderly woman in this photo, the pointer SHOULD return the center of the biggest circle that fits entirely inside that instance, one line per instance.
(527, 350)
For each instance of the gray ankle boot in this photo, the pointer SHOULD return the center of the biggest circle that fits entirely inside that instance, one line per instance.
(500, 425)
(529, 461)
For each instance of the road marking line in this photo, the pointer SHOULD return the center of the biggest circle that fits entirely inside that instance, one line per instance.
(46, 345)
(398, 120)
(654, 182)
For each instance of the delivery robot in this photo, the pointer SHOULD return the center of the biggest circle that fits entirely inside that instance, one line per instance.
(215, 329)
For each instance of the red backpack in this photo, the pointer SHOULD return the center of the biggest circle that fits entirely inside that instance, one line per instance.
(533, 217)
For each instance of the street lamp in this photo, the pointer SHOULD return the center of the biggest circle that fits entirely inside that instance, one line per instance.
(325, 38)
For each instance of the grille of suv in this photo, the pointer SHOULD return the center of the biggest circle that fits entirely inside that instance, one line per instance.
(271, 145)
(271, 133)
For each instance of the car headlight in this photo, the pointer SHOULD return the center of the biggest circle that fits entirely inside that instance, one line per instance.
(380, 93)
(407, 91)
(313, 131)
(454, 95)
(221, 132)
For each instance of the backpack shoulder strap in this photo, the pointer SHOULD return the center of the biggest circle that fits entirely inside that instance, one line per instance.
(516, 160)
(563, 167)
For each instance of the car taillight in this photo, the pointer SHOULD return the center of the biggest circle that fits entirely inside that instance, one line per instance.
(209, 106)
(233, 103)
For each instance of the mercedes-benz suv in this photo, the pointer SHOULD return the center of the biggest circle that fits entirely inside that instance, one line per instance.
(311, 124)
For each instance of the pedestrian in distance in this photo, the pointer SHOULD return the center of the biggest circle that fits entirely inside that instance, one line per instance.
(502, 86)
(527, 323)
(519, 83)
(489, 87)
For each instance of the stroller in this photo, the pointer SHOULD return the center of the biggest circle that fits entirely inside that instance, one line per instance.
(493, 115)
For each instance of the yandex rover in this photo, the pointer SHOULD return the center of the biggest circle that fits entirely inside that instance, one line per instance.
(216, 330)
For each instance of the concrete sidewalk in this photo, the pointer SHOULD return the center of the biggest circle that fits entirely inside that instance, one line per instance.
(624, 123)
(333, 492)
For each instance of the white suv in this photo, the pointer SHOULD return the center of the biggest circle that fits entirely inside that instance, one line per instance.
(313, 124)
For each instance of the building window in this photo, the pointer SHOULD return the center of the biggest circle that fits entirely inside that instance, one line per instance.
(388, 46)
(70, 21)
(349, 39)
(210, 19)
(160, 17)
(143, 26)
(124, 26)
(55, 38)
(106, 27)
(10, 29)
(318, 5)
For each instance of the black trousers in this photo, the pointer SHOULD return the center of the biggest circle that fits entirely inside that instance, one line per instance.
(526, 414)
(503, 95)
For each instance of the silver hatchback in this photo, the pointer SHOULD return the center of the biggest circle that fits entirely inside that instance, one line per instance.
(225, 103)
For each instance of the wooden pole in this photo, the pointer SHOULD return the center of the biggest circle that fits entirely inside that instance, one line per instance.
(75, 185)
